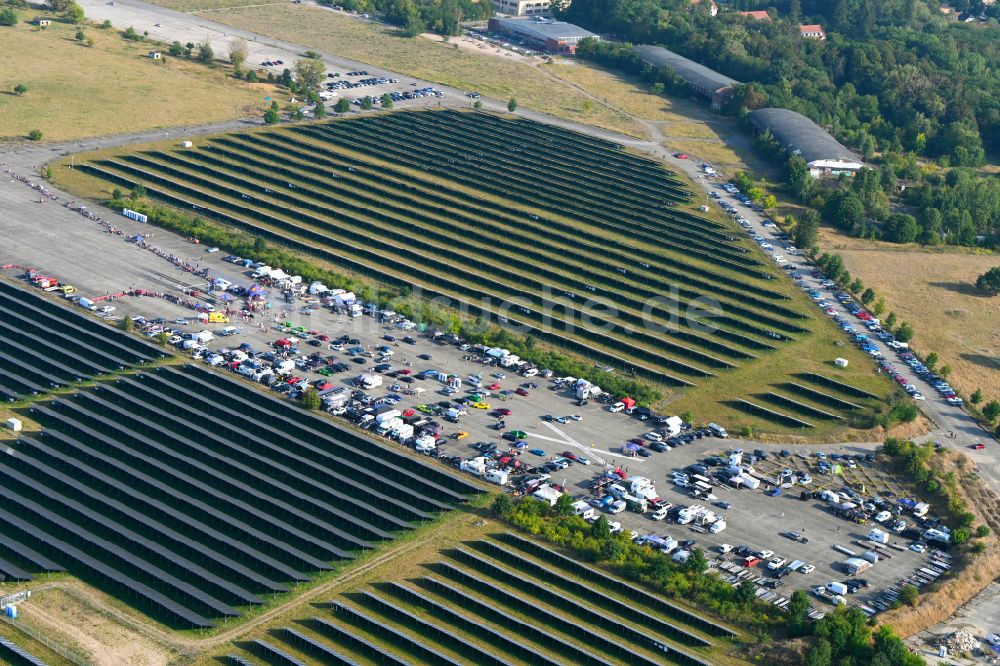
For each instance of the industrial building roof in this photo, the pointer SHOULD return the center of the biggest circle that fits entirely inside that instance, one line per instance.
(543, 29)
(692, 72)
(798, 134)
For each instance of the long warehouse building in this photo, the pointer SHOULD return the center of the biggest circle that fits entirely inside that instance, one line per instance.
(708, 83)
(800, 136)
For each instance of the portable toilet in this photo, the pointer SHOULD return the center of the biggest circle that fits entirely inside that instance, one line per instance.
(10, 610)
(14, 424)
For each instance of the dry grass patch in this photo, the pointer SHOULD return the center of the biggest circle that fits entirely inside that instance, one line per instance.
(934, 291)
(381, 46)
(109, 88)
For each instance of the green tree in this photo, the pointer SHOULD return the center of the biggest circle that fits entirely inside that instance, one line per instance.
(8, 16)
(387, 101)
(366, 103)
(945, 371)
(131, 35)
(991, 410)
(273, 114)
(904, 332)
(657, 88)
(746, 593)
(879, 307)
(311, 399)
(75, 13)
(343, 105)
(512, 105)
(798, 613)
(989, 281)
(477, 105)
(239, 51)
(600, 529)
(128, 324)
(900, 228)
(502, 506)
(20, 89)
(35, 135)
(932, 360)
(176, 49)
(821, 654)
(976, 397)
(319, 110)
(890, 321)
(564, 505)
(909, 595)
(867, 296)
(982, 531)
(696, 563)
(296, 114)
(205, 53)
(856, 286)
(611, 550)
(309, 73)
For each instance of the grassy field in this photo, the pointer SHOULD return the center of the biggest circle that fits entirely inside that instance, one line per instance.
(935, 292)
(110, 88)
(487, 250)
(433, 61)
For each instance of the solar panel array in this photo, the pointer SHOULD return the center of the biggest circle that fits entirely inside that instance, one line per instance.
(47, 345)
(497, 608)
(193, 498)
(15, 654)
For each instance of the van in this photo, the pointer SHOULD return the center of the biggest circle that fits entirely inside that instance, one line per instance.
(718, 430)
(617, 491)
(617, 407)
(660, 514)
(616, 507)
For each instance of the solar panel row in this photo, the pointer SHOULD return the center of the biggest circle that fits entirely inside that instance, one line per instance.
(14, 651)
(362, 645)
(427, 654)
(501, 642)
(610, 582)
(585, 613)
(594, 596)
(308, 644)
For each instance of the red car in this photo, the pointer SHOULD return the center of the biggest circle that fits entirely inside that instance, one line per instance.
(681, 156)
(521, 391)
(323, 338)
(569, 455)
(978, 446)
(494, 386)
(505, 411)
(406, 371)
(408, 413)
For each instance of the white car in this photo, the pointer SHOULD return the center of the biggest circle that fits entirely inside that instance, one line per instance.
(776, 563)
(107, 309)
(807, 568)
(725, 548)
(766, 554)
(805, 480)
(918, 547)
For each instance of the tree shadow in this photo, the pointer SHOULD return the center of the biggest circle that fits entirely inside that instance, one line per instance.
(991, 362)
(961, 288)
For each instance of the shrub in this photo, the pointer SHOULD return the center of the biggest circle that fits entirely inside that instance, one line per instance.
(8, 16)
(35, 135)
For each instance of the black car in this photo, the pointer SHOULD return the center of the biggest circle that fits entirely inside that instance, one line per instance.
(388, 338)
(359, 360)
(659, 447)
(742, 551)
(644, 453)
(696, 469)
(715, 461)
(424, 357)
(409, 340)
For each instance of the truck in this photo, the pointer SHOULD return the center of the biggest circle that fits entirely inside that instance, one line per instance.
(835, 588)
(217, 318)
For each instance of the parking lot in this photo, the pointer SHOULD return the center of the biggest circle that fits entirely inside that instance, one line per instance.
(754, 518)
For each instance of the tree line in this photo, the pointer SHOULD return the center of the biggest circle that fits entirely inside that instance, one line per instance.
(416, 16)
